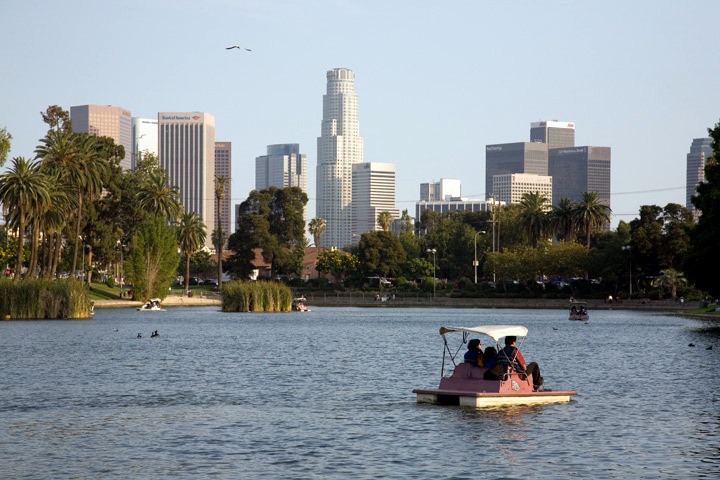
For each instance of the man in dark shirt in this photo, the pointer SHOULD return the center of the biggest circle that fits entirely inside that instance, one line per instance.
(511, 356)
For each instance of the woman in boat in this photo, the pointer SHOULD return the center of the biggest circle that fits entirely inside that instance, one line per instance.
(489, 358)
(511, 356)
(474, 353)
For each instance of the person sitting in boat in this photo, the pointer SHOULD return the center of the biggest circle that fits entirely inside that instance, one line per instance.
(510, 356)
(489, 358)
(573, 310)
(582, 311)
(474, 352)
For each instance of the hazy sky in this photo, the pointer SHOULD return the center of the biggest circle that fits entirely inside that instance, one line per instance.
(437, 80)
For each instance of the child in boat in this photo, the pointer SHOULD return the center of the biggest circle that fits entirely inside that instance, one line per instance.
(511, 356)
(474, 352)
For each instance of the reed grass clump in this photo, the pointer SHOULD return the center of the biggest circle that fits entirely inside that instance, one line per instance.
(241, 296)
(43, 299)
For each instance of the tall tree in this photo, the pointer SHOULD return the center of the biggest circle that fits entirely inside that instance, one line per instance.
(159, 198)
(221, 184)
(57, 118)
(5, 138)
(191, 233)
(381, 254)
(316, 227)
(384, 219)
(153, 259)
(533, 216)
(591, 214)
(20, 188)
(701, 262)
(561, 221)
(672, 279)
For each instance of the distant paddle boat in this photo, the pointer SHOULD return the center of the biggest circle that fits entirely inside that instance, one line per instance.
(463, 383)
(298, 305)
(152, 305)
(579, 311)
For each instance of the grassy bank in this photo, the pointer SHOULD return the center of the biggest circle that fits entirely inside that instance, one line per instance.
(238, 296)
(43, 299)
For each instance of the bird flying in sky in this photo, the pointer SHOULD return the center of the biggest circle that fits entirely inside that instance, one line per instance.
(238, 46)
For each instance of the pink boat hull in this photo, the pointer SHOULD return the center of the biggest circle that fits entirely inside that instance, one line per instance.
(466, 387)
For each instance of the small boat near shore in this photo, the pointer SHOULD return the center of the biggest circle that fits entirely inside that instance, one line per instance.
(465, 386)
(298, 305)
(152, 305)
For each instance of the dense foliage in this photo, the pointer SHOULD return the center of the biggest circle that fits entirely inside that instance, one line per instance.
(43, 299)
(243, 296)
(152, 260)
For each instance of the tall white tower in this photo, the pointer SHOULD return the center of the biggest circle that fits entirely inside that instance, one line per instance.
(338, 148)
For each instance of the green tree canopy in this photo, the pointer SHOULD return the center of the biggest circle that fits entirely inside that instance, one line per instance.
(703, 257)
(152, 259)
(380, 253)
(5, 138)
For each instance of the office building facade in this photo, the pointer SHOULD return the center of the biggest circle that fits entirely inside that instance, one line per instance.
(106, 121)
(454, 205)
(223, 168)
(282, 166)
(187, 152)
(700, 153)
(373, 192)
(445, 189)
(553, 133)
(580, 169)
(144, 137)
(519, 157)
(339, 147)
(510, 187)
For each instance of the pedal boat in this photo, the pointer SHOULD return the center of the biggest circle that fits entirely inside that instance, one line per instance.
(152, 305)
(464, 385)
(579, 314)
(298, 305)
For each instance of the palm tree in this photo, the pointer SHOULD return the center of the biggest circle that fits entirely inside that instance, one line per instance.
(191, 236)
(670, 278)
(385, 219)
(76, 158)
(316, 227)
(561, 219)
(220, 190)
(532, 215)
(591, 215)
(21, 187)
(156, 197)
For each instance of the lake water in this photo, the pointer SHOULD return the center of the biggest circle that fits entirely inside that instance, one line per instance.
(328, 394)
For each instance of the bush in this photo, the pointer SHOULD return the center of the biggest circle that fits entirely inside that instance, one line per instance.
(44, 299)
(244, 296)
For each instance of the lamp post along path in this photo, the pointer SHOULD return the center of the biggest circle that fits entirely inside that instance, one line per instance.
(433, 251)
(475, 262)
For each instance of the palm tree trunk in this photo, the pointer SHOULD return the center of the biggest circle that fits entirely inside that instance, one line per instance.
(187, 273)
(21, 238)
(55, 260)
(34, 243)
(89, 275)
(77, 234)
(219, 246)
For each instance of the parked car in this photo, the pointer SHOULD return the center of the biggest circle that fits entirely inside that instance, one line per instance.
(194, 281)
(210, 281)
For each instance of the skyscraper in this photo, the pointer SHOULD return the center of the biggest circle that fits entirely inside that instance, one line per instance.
(338, 148)
(520, 157)
(373, 192)
(105, 121)
(223, 168)
(555, 134)
(700, 152)
(445, 189)
(510, 187)
(187, 152)
(282, 166)
(580, 169)
(144, 137)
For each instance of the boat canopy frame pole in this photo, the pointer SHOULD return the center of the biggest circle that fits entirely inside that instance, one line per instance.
(449, 352)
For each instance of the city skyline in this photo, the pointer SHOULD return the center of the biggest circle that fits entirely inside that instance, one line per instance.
(428, 104)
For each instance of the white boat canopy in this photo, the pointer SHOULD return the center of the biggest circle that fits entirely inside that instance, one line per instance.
(495, 331)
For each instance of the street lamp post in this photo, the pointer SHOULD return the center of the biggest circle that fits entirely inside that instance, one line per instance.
(475, 262)
(120, 246)
(432, 250)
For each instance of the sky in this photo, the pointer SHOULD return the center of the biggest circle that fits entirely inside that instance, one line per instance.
(436, 81)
